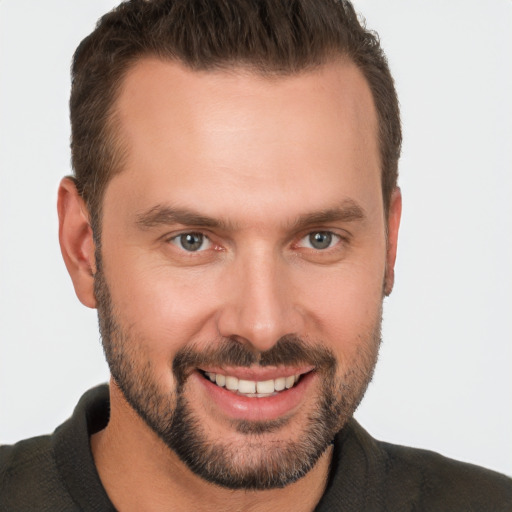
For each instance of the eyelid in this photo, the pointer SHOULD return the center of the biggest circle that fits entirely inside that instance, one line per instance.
(337, 238)
(175, 237)
(184, 231)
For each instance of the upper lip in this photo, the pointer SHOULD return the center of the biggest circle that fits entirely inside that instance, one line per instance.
(258, 373)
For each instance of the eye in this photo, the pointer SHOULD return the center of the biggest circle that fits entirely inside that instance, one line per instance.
(191, 242)
(319, 240)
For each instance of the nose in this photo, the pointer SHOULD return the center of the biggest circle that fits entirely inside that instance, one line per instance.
(260, 303)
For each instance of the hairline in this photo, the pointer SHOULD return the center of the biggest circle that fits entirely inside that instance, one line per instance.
(113, 130)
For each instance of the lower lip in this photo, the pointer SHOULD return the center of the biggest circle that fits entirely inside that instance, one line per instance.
(241, 407)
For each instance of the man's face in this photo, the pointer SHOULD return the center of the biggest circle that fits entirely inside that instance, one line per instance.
(243, 261)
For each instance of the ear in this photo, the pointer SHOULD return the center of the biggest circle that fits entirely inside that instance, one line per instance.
(76, 241)
(393, 224)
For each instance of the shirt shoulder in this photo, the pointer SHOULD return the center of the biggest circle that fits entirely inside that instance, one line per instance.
(440, 483)
(372, 475)
(29, 476)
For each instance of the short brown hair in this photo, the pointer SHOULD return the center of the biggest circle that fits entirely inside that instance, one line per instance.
(269, 36)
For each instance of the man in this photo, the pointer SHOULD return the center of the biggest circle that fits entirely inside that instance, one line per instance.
(234, 218)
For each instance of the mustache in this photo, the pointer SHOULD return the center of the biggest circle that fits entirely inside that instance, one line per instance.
(289, 350)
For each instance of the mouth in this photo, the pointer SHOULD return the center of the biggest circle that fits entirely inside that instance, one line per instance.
(253, 388)
(256, 394)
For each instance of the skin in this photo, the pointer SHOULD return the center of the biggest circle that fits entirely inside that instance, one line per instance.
(256, 154)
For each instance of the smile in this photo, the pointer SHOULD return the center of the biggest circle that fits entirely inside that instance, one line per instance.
(253, 388)
(256, 394)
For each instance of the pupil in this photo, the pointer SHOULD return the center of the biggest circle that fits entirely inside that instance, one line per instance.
(321, 239)
(191, 241)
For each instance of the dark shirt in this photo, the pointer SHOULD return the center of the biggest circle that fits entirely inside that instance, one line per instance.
(57, 473)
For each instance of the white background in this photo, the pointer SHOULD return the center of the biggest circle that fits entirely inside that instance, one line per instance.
(444, 380)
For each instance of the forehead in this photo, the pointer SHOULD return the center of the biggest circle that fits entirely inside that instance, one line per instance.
(239, 133)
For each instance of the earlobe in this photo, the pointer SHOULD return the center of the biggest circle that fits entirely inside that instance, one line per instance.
(393, 225)
(76, 241)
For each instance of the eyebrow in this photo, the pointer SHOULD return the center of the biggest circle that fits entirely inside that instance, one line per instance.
(166, 215)
(347, 211)
(162, 215)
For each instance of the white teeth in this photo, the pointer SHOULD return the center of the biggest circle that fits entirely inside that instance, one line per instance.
(290, 381)
(280, 384)
(253, 388)
(246, 386)
(265, 386)
(232, 383)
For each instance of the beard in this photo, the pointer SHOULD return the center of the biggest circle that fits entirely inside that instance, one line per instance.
(261, 460)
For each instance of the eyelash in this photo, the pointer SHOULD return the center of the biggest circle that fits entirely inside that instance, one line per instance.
(332, 237)
(333, 240)
(178, 239)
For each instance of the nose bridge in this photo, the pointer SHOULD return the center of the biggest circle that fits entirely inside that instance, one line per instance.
(259, 308)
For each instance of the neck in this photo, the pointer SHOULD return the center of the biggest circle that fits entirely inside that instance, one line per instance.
(139, 472)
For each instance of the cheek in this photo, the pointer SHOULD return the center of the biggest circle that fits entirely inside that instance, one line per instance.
(346, 307)
(167, 309)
